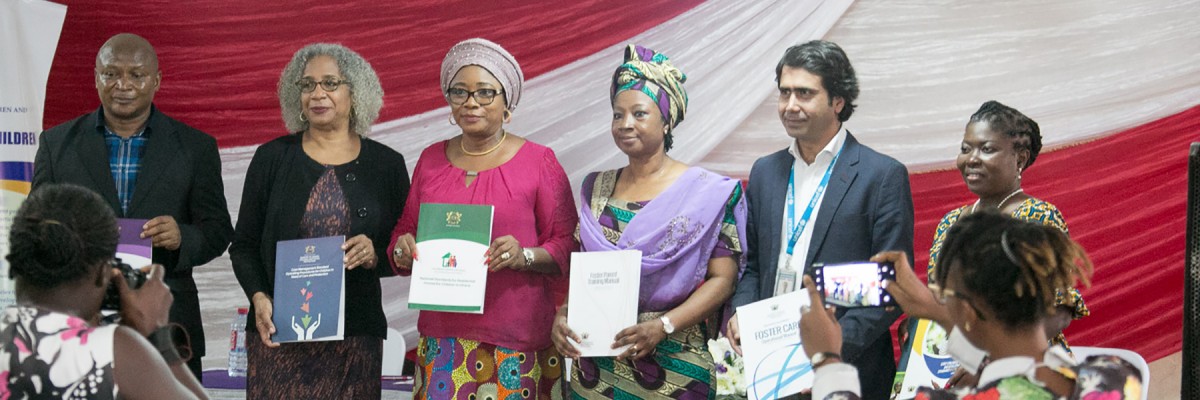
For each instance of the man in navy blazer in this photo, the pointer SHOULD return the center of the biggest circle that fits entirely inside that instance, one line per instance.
(858, 203)
(147, 166)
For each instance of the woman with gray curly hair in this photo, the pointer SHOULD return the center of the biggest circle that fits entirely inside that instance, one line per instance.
(324, 179)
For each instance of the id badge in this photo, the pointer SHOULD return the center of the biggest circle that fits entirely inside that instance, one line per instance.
(785, 278)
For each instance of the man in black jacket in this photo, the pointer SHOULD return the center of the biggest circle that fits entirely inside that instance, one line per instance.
(146, 165)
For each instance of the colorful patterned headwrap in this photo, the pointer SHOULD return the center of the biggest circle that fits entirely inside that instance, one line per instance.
(490, 56)
(652, 73)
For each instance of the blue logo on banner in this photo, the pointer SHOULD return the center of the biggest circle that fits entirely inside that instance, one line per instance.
(16, 176)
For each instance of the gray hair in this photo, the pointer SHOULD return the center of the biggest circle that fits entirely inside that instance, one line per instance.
(366, 93)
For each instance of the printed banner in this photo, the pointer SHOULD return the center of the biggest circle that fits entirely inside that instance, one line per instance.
(29, 31)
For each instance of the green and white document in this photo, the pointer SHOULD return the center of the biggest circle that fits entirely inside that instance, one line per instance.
(452, 240)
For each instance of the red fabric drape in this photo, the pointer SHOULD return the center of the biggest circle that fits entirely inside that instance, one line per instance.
(221, 60)
(1125, 200)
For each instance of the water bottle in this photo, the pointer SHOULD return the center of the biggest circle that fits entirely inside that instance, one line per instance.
(237, 344)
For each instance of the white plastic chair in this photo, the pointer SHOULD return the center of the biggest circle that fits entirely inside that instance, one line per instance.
(1083, 352)
(394, 350)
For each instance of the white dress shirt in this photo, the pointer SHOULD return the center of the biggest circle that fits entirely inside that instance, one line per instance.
(805, 180)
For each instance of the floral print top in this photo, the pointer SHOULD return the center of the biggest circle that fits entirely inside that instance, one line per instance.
(1100, 377)
(1030, 210)
(46, 354)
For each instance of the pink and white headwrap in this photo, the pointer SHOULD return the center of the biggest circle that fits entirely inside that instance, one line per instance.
(490, 56)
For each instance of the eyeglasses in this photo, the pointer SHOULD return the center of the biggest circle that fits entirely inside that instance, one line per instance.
(137, 79)
(329, 85)
(942, 295)
(459, 96)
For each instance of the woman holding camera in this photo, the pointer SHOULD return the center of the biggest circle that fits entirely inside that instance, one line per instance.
(997, 283)
(62, 240)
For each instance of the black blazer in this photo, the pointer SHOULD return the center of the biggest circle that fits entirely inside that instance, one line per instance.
(180, 176)
(867, 209)
(278, 184)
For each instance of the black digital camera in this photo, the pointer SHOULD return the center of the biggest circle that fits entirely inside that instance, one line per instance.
(135, 278)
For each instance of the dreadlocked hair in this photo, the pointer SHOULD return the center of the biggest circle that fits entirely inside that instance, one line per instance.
(1016, 268)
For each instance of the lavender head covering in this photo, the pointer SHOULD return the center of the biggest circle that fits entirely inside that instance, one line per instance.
(490, 56)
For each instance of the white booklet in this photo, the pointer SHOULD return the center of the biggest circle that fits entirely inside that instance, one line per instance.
(603, 298)
(451, 242)
(775, 363)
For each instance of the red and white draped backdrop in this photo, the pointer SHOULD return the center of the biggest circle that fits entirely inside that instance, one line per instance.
(1114, 86)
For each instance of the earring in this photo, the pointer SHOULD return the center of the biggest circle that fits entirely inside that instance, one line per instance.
(967, 326)
(452, 120)
(302, 119)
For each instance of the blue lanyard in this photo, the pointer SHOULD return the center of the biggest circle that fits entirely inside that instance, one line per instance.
(791, 202)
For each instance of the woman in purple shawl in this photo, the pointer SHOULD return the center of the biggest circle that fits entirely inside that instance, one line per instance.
(688, 222)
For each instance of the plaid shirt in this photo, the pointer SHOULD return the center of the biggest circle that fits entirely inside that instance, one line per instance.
(125, 160)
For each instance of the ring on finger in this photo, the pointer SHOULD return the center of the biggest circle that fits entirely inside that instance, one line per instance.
(505, 256)
(398, 252)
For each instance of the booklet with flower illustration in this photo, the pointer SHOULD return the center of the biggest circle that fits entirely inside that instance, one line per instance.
(603, 298)
(132, 249)
(774, 360)
(310, 290)
(450, 275)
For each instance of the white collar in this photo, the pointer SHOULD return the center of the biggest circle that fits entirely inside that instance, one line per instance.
(1054, 358)
(830, 148)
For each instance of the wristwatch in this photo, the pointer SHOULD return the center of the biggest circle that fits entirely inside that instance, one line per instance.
(667, 327)
(825, 357)
(528, 258)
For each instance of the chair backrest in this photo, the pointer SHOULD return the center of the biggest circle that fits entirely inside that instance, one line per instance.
(1083, 352)
(394, 350)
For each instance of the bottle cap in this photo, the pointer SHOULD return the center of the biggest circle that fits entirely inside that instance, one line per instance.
(243, 310)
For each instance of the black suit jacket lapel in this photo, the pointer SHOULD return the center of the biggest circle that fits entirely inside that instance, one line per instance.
(93, 154)
(162, 149)
(844, 173)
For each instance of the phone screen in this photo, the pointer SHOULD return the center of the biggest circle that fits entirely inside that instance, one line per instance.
(858, 284)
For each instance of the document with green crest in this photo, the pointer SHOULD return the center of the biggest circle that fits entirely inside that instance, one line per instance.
(451, 275)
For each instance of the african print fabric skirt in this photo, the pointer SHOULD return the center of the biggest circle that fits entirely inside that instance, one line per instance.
(680, 368)
(454, 368)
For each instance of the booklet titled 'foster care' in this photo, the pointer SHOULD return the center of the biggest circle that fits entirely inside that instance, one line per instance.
(775, 362)
(310, 290)
(450, 275)
(603, 298)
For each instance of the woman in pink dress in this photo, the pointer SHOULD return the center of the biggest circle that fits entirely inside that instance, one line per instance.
(507, 349)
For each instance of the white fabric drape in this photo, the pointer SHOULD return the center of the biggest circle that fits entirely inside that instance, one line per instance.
(1081, 68)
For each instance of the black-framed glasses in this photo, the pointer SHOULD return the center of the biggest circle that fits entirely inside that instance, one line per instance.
(328, 84)
(943, 295)
(459, 96)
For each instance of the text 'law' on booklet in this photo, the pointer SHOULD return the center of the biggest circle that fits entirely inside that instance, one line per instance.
(775, 362)
(310, 290)
(603, 298)
(452, 240)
